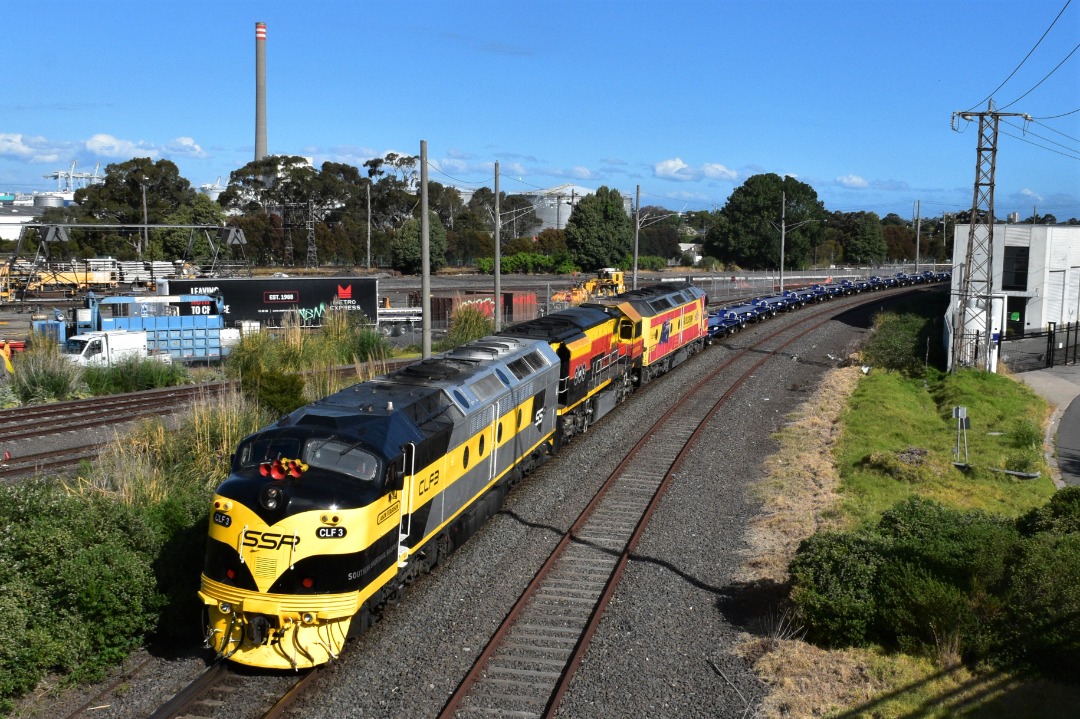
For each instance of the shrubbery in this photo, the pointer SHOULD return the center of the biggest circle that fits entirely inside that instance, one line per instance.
(134, 375)
(77, 591)
(951, 584)
(42, 374)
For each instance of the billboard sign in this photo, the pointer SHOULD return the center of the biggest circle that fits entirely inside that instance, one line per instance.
(269, 299)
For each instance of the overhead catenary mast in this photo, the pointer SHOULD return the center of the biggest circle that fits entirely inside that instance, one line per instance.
(977, 279)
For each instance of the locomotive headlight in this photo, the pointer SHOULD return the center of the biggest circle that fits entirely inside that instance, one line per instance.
(223, 505)
(271, 497)
(308, 618)
(330, 519)
(225, 607)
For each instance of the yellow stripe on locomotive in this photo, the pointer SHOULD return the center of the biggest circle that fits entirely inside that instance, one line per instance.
(382, 471)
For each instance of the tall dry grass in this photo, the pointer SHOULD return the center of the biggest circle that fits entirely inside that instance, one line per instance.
(160, 457)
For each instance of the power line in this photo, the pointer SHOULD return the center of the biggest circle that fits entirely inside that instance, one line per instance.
(1049, 149)
(451, 177)
(1054, 117)
(1047, 139)
(980, 102)
(1040, 82)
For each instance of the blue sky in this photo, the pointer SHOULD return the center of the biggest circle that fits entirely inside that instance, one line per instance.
(684, 98)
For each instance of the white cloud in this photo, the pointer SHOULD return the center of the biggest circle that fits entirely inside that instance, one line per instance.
(716, 171)
(185, 147)
(112, 147)
(1031, 194)
(852, 182)
(28, 148)
(581, 172)
(675, 169)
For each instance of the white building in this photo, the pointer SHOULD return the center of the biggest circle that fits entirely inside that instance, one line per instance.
(1036, 271)
(13, 217)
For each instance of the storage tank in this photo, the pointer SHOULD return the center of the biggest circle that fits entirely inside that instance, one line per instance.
(48, 201)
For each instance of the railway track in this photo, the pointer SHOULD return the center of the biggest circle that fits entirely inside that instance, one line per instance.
(527, 665)
(24, 429)
(263, 696)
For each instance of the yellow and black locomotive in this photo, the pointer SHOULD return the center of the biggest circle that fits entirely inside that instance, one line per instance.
(330, 512)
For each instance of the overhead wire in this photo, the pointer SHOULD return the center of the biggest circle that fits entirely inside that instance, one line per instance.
(1017, 68)
(1040, 82)
(1050, 149)
(1043, 124)
(1046, 139)
(1054, 117)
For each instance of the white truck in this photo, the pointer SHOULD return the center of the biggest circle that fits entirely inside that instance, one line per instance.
(108, 348)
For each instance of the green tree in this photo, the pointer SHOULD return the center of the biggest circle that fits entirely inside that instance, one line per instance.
(405, 249)
(267, 184)
(119, 199)
(173, 243)
(747, 231)
(599, 233)
(866, 243)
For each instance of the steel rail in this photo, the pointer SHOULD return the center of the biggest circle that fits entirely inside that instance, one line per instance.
(527, 665)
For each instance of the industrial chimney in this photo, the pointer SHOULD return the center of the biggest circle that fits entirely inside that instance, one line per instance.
(260, 90)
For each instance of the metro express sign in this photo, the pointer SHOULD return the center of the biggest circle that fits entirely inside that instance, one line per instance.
(268, 299)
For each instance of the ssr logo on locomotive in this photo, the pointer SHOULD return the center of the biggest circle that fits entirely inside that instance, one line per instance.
(269, 540)
(330, 532)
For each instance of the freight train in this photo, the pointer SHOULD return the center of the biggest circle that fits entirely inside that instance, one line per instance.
(329, 513)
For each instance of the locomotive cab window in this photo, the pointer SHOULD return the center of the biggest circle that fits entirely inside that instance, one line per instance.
(341, 457)
(266, 449)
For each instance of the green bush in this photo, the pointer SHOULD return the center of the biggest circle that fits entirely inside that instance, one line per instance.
(953, 584)
(834, 577)
(279, 392)
(1043, 602)
(180, 522)
(42, 374)
(135, 374)
(1026, 435)
(895, 343)
(1061, 514)
(467, 324)
(943, 577)
(76, 586)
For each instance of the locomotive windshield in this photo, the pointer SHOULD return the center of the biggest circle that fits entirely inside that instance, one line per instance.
(326, 453)
(341, 457)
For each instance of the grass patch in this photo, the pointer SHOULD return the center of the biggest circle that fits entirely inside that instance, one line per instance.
(900, 439)
(858, 448)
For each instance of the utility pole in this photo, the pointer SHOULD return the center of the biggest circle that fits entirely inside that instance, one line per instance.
(637, 228)
(425, 256)
(783, 230)
(367, 187)
(918, 229)
(146, 235)
(977, 281)
(498, 255)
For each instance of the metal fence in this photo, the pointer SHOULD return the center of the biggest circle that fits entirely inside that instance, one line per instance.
(1059, 344)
